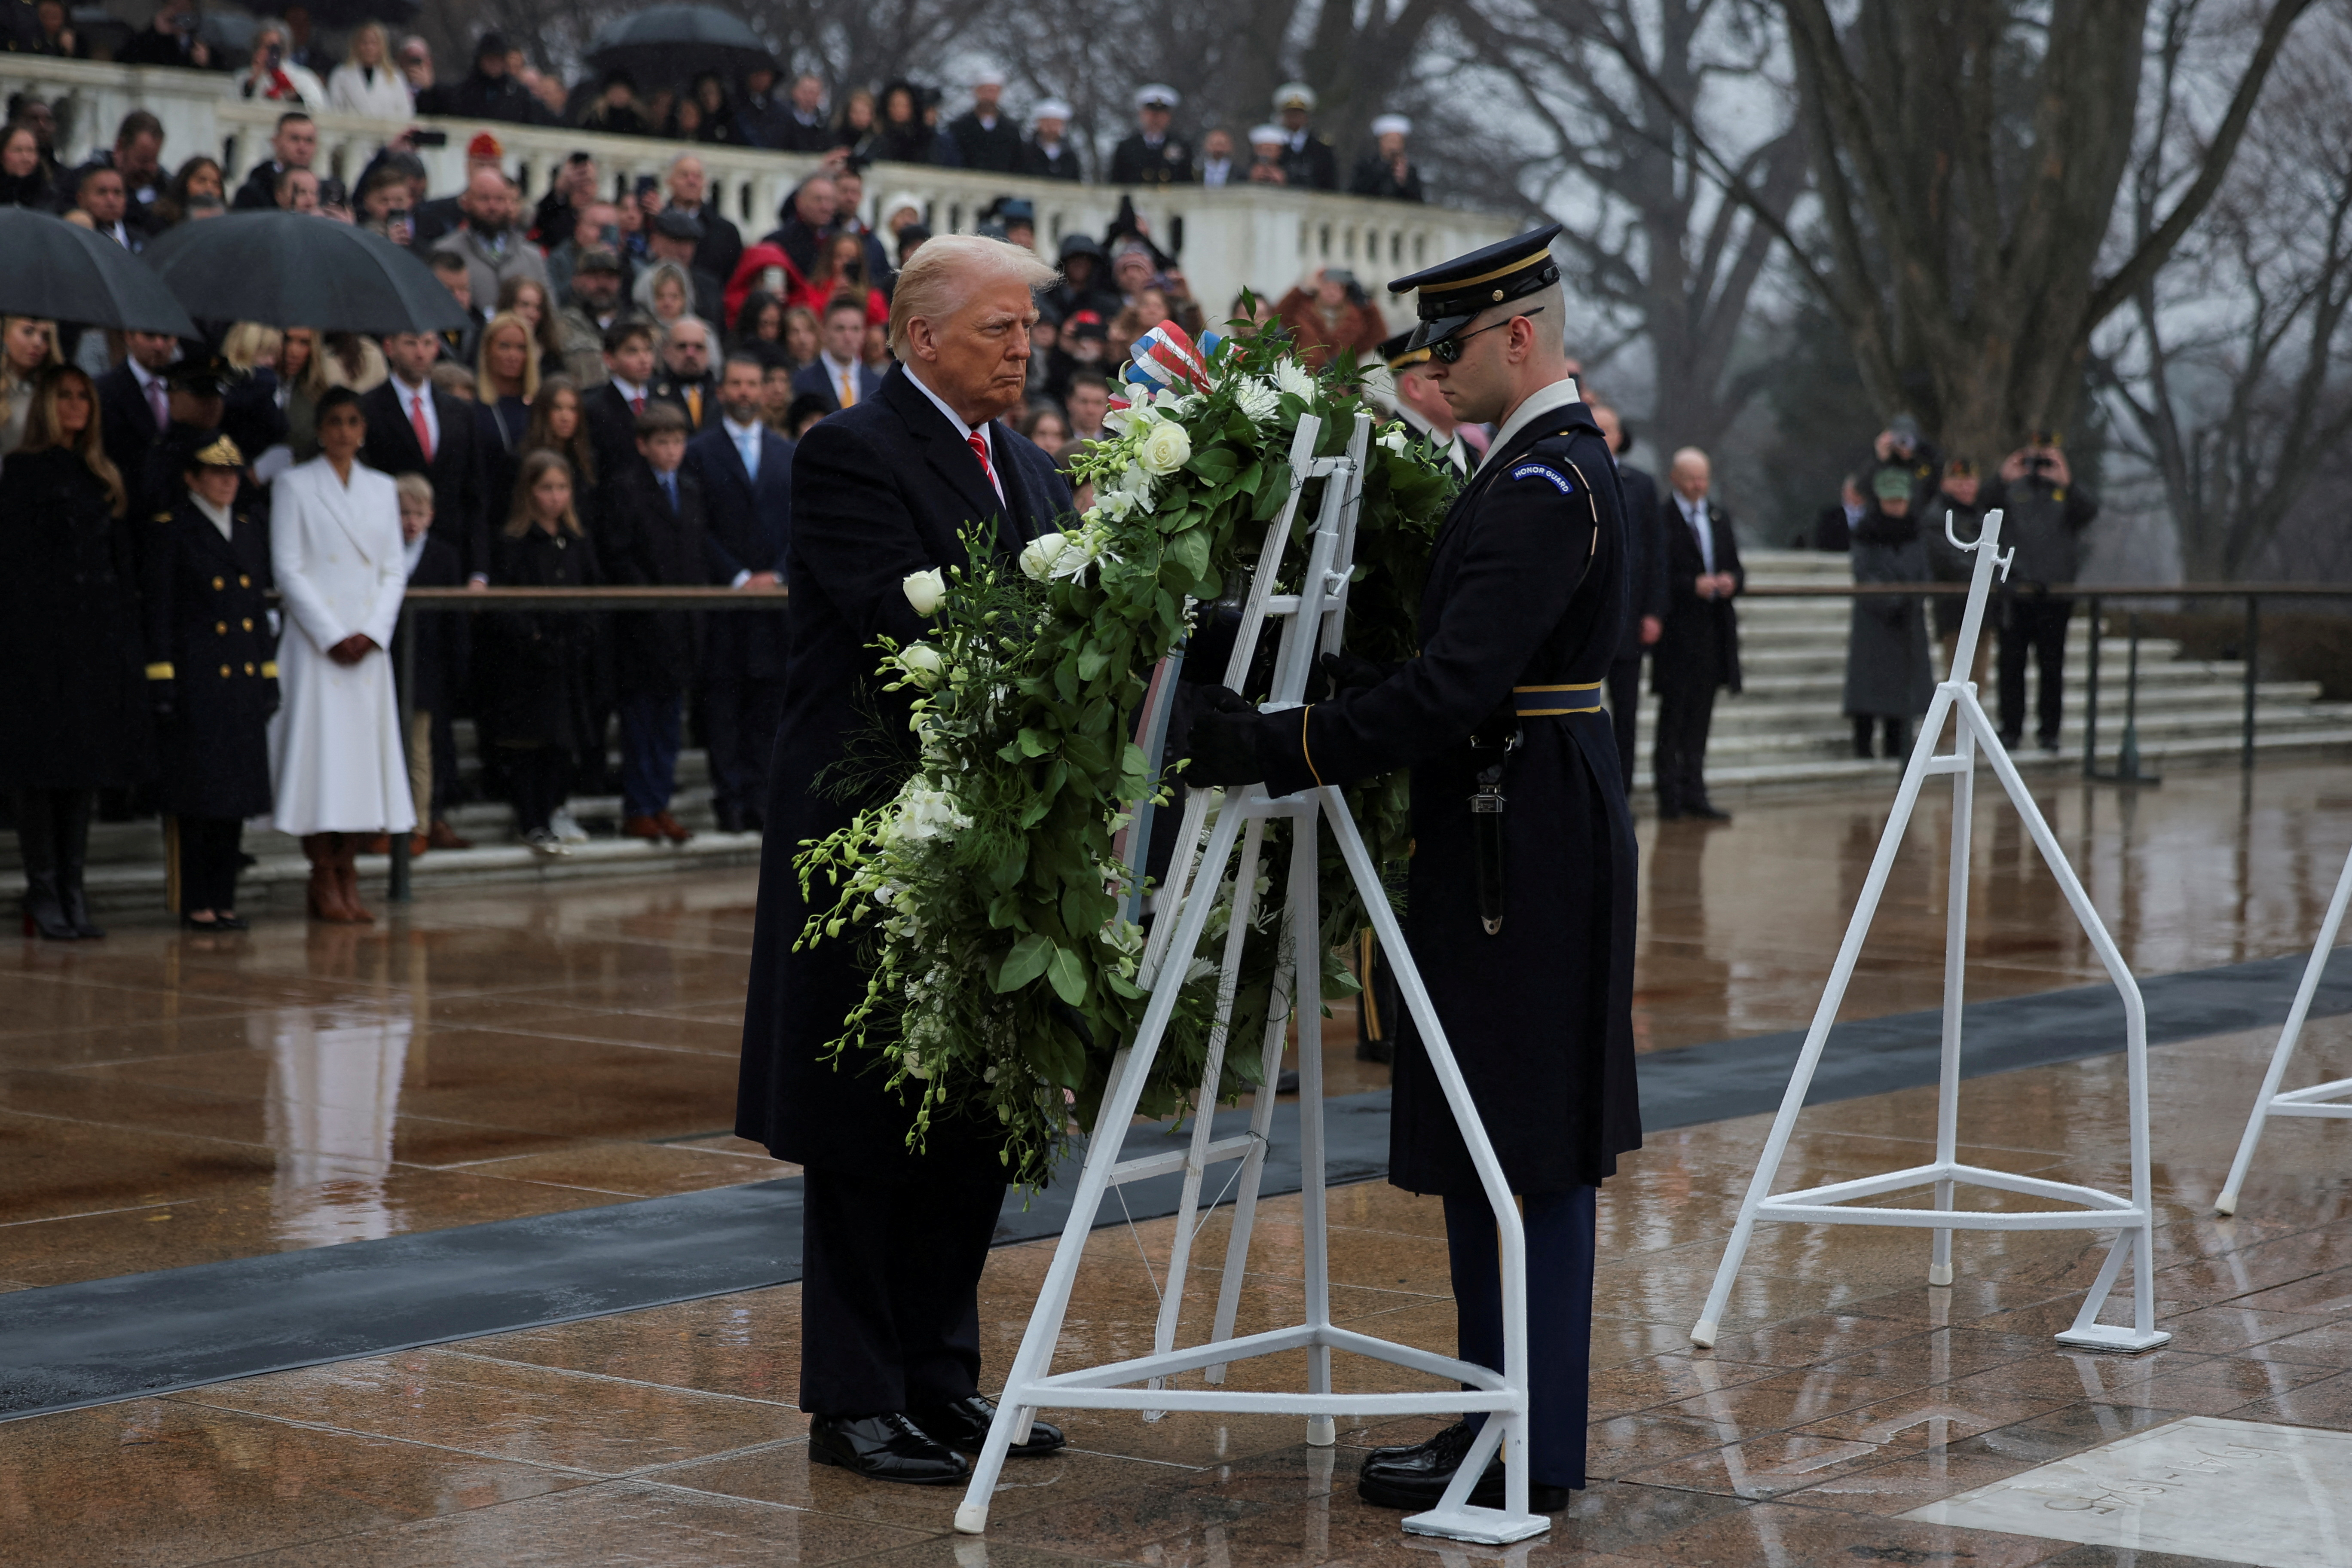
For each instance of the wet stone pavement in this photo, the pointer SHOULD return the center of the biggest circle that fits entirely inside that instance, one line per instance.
(166, 1100)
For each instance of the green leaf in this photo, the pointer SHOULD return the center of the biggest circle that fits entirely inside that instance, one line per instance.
(1034, 745)
(1066, 974)
(1025, 962)
(1215, 465)
(1091, 662)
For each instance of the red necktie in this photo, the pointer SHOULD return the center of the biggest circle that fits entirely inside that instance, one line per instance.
(978, 443)
(416, 422)
(637, 404)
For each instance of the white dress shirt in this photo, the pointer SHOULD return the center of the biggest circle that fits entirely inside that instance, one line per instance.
(218, 515)
(1217, 172)
(631, 393)
(414, 397)
(964, 432)
(1695, 515)
(150, 383)
(840, 372)
(1534, 407)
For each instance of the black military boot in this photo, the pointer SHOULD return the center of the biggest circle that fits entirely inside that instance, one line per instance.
(72, 806)
(37, 840)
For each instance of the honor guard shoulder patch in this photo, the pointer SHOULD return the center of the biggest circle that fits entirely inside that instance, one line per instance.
(1558, 480)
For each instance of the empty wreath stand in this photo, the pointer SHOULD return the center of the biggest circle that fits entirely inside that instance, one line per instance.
(1313, 621)
(2130, 1219)
(2317, 1099)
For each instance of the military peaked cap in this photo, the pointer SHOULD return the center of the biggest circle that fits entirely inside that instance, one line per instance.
(1452, 292)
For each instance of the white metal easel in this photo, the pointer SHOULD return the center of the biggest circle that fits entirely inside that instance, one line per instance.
(1313, 621)
(2315, 1101)
(2130, 1219)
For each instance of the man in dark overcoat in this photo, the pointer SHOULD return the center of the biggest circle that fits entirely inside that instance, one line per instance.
(1646, 586)
(1698, 650)
(212, 679)
(893, 1239)
(745, 472)
(1520, 918)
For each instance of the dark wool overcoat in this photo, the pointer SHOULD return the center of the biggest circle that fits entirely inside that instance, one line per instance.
(1528, 583)
(879, 491)
(206, 606)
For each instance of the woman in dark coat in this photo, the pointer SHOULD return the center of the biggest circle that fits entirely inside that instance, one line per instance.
(1888, 680)
(73, 711)
(536, 710)
(212, 679)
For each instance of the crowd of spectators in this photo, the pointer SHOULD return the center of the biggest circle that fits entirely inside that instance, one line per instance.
(619, 405)
(903, 122)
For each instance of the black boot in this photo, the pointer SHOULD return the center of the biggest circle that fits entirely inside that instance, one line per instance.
(1863, 726)
(37, 839)
(73, 853)
(1898, 739)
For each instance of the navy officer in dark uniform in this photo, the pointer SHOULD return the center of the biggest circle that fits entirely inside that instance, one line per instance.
(212, 676)
(1522, 880)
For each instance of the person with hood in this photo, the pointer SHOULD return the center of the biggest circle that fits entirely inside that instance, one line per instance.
(1083, 286)
(1888, 681)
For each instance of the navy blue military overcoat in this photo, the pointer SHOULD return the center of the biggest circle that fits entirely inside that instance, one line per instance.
(1527, 588)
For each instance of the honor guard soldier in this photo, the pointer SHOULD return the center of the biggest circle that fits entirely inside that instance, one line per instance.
(1421, 404)
(212, 678)
(1522, 881)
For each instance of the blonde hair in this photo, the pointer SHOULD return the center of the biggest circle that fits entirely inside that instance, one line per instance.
(534, 468)
(414, 488)
(939, 277)
(249, 342)
(383, 61)
(55, 357)
(42, 431)
(483, 383)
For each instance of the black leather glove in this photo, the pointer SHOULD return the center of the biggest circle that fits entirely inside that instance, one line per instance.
(1223, 743)
(162, 698)
(1345, 671)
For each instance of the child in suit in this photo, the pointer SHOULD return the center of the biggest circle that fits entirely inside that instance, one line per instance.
(649, 532)
(432, 749)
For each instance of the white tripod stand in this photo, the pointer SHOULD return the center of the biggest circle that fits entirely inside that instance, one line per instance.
(1313, 620)
(1956, 698)
(2312, 1101)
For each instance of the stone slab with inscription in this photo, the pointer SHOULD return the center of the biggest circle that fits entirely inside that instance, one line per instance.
(2243, 1491)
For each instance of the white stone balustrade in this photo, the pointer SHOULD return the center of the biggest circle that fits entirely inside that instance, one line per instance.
(1265, 237)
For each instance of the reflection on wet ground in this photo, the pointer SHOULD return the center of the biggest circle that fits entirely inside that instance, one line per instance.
(1844, 1392)
(168, 1097)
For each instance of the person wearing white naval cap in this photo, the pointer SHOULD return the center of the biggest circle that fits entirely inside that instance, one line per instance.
(1387, 171)
(1050, 152)
(1153, 156)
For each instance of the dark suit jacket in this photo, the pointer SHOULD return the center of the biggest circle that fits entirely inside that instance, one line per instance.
(750, 522)
(815, 379)
(460, 507)
(126, 426)
(442, 636)
(1701, 645)
(641, 542)
(613, 428)
(1646, 557)
(259, 192)
(878, 491)
(702, 409)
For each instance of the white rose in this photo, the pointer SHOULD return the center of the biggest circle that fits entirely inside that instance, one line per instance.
(924, 590)
(923, 662)
(1393, 439)
(1037, 556)
(1165, 449)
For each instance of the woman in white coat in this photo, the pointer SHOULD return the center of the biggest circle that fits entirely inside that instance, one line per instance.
(334, 747)
(367, 82)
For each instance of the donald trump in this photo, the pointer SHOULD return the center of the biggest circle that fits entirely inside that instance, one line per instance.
(893, 1240)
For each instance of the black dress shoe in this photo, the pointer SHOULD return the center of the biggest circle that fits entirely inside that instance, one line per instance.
(1670, 813)
(1415, 1479)
(963, 1426)
(885, 1449)
(1704, 812)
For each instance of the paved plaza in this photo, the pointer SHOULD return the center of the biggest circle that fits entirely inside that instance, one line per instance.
(168, 1100)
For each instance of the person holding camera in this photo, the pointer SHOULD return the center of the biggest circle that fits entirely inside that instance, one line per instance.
(2044, 515)
(169, 40)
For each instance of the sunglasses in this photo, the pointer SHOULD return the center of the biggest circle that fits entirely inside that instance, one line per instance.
(1448, 351)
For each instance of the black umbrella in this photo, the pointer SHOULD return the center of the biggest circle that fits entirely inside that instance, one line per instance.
(669, 43)
(298, 270)
(69, 273)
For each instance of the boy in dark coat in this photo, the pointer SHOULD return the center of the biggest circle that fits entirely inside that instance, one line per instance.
(441, 642)
(649, 533)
